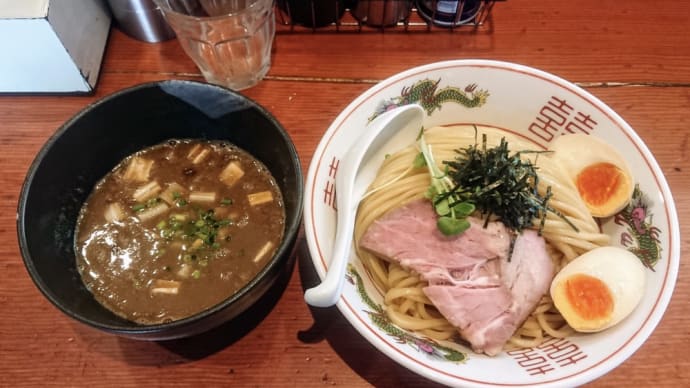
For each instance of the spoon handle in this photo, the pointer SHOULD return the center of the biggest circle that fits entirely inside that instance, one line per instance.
(373, 144)
(327, 293)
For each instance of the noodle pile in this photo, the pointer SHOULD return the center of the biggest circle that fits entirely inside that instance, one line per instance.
(398, 182)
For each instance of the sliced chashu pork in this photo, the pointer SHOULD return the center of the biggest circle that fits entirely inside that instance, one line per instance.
(488, 316)
(409, 236)
(471, 281)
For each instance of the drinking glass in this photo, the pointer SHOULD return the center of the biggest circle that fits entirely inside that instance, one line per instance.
(229, 40)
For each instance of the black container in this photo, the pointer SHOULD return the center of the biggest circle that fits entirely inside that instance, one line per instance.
(90, 144)
(449, 13)
(313, 13)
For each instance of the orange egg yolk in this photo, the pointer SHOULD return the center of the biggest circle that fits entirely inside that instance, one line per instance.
(590, 298)
(599, 182)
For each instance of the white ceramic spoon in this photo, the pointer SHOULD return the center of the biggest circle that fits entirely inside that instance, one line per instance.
(390, 132)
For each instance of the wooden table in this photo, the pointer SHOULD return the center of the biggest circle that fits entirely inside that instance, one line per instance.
(634, 55)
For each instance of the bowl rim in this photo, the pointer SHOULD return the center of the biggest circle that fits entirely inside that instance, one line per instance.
(292, 226)
(577, 378)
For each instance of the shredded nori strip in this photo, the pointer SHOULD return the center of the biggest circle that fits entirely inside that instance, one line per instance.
(500, 184)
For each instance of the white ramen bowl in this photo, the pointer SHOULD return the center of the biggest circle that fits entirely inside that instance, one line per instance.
(538, 106)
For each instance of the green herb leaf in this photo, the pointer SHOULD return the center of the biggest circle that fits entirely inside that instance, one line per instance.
(442, 208)
(464, 209)
(419, 161)
(450, 226)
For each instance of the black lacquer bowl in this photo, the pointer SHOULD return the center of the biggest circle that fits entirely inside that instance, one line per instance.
(90, 144)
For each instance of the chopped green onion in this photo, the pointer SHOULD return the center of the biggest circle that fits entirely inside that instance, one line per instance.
(152, 201)
(200, 232)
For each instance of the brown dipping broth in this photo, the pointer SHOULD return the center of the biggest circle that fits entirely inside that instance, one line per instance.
(172, 230)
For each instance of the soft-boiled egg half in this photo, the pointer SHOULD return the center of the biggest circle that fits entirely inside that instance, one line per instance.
(599, 288)
(600, 173)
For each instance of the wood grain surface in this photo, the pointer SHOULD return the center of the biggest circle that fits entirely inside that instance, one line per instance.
(634, 55)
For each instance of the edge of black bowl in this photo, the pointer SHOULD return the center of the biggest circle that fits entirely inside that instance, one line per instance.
(187, 326)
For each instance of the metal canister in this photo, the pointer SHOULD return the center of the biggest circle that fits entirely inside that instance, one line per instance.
(381, 12)
(141, 19)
